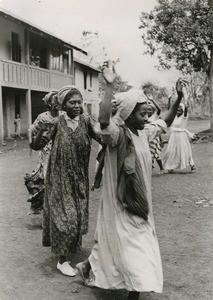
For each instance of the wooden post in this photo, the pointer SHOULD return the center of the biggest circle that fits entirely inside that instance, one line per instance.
(29, 109)
(1, 118)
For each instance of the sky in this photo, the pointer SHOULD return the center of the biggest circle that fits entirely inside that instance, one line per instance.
(116, 21)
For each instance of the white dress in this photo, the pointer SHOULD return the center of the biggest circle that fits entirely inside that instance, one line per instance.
(179, 153)
(126, 253)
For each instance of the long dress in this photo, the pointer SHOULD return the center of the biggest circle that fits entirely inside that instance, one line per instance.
(126, 253)
(179, 152)
(65, 213)
(35, 181)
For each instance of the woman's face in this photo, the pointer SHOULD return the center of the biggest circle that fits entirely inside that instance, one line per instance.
(150, 110)
(139, 116)
(73, 106)
(114, 108)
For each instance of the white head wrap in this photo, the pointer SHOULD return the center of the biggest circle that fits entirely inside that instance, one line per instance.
(47, 98)
(128, 100)
(64, 91)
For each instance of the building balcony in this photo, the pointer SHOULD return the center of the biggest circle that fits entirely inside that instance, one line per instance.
(22, 76)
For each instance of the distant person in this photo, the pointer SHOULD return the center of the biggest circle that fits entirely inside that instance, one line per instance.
(178, 154)
(155, 145)
(66, 205)
(17, 124)
(37, 61)
(32, 61)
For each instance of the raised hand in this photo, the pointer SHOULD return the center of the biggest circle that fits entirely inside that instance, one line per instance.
(108, 72)
(181, 86)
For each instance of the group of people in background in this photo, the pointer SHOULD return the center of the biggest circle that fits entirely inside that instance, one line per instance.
(125, 254)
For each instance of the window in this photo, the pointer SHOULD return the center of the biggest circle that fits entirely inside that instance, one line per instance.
(16, 48)
(85, 80)
(65, 63)
(74, 76)
(90, 79)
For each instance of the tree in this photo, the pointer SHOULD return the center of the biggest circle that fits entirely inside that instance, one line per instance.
(91, 42)
(97, 54)
(157, 93)
(180, 32)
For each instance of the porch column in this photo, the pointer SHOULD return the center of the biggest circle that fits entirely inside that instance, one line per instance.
(1, 118)
(29, 108)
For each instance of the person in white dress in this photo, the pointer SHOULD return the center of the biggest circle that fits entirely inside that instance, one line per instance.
(178, 154)
(126, 253)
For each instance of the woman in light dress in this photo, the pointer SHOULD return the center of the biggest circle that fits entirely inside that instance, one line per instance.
(126, 253)
(178, 154)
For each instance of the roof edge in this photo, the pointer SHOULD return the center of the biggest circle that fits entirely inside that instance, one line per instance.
(19, 20)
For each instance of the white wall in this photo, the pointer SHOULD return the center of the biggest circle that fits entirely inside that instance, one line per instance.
(91, 94)
(6, 28)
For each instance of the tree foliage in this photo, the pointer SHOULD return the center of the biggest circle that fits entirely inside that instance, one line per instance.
(97, 55)
(155, 92)
(180, 32)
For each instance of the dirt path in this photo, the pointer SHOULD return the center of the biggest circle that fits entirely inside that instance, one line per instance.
(184, 220)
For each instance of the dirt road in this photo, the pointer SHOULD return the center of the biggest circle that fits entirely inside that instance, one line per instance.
(183, 206)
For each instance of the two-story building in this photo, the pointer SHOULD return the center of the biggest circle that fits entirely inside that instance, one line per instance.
(32, 63)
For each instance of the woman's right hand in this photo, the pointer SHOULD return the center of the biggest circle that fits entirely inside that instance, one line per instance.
(45, 126)
(181, 87)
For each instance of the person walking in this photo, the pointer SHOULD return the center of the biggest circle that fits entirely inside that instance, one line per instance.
(126, 253)
(65, 211)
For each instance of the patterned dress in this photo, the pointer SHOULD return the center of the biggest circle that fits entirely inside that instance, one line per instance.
(35, 181)
(155, 145)
(65, 217)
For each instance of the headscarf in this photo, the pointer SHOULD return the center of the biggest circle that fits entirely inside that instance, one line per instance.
(64, 91)
(47, 98)
(128, 100)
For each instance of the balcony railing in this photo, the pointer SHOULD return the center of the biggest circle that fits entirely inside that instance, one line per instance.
(17, 75)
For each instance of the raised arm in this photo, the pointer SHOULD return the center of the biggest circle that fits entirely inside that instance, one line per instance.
(169, 103)
(105, 105)
(186, 104)
(174, 107)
